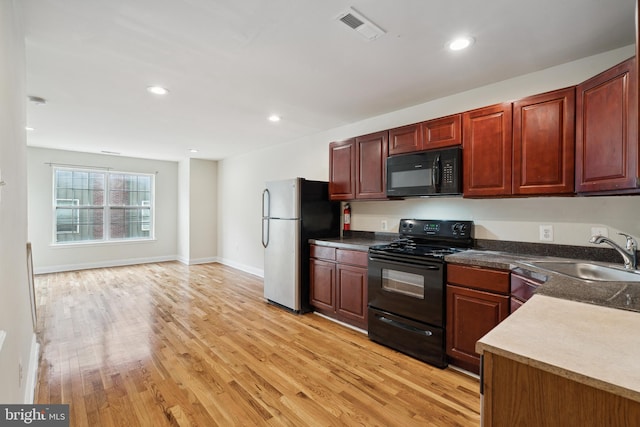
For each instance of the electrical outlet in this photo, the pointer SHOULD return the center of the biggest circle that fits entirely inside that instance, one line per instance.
(383, 225)
(546, 233)
(600, 231)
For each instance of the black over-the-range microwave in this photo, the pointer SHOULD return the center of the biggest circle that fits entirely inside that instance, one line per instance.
(426, 173)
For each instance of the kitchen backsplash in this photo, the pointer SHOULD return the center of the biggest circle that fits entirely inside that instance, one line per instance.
(572, 220)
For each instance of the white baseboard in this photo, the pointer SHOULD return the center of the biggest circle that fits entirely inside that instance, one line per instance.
(102, 264)
(32, 372)
(246, 268)
(208, 260)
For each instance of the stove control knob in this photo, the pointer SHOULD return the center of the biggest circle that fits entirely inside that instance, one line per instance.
(459, 228)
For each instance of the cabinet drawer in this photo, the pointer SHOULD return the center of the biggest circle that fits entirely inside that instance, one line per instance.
(323, 252)
(346, 256)
(523, 288)
(479, 278)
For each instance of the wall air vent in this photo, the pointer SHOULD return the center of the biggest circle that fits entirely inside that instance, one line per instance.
(360, 24)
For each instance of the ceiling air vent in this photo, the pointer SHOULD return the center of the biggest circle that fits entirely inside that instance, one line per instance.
(360, 24)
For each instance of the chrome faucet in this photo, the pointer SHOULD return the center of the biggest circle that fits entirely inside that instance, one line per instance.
(628, 254)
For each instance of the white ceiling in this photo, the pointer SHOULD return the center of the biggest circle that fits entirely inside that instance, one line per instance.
(229, 64)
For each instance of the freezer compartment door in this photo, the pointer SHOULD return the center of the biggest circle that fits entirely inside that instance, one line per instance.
(281, 199)
(282, 264)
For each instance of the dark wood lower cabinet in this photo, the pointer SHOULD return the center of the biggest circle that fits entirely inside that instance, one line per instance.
(477, 301)
(339, 284)
(471, 314)
(323, 275)
(351, 301)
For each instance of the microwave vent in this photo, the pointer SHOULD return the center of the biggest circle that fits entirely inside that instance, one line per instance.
(360, 24)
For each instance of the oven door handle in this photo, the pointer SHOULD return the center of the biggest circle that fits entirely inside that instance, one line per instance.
(429, 265)
(401, 325)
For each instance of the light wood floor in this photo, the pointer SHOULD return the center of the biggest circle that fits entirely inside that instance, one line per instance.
(168, 344)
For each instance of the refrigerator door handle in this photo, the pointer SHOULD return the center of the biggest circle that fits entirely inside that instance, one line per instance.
(265, 216)
(266, 196)
(265, 243)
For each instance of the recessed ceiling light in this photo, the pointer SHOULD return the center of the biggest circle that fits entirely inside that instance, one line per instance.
(193, 150)
(274, 118)
(158, 90)
(29, 128)
(460, 43)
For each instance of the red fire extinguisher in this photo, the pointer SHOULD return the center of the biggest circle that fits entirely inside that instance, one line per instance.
(347, 217)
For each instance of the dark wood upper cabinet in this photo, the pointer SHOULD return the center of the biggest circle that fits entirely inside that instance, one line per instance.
(405, 139)
(371, 165)
(607, 132)
(436, 133)
(487, 147)
(342, 170)
(443, 132)
(543, 143)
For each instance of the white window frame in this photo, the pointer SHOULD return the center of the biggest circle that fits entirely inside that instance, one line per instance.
(106, 206)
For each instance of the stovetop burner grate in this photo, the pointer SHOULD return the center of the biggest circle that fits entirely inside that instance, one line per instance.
(429, 238)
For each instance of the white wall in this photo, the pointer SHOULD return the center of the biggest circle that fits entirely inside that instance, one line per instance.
(48, 258)
(15, 310)
(241, 178)
(203, 219)
(240, 183)
(184, 168)
(197, 214)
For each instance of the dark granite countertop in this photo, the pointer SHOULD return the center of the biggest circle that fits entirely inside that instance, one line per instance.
(620, 295)
(356, 240)
(353, 243)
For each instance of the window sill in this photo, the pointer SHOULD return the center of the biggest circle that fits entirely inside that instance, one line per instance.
(101, 243)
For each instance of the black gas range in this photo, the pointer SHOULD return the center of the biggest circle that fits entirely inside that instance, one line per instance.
(407, 280)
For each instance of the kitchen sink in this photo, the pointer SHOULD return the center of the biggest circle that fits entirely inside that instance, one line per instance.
(589, 271)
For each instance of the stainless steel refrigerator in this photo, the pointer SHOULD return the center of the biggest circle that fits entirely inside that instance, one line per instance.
(294, 211)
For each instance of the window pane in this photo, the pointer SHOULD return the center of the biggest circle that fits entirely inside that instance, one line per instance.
(80, 197)
(129, 190)
(85, 187)
(130, 223)
(78, 224)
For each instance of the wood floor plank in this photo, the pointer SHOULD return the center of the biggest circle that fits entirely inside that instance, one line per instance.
(173, 345)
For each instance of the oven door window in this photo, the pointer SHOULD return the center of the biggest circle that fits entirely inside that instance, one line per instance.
(404, 283)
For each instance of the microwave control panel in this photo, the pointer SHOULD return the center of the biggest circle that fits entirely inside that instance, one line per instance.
(447, 172)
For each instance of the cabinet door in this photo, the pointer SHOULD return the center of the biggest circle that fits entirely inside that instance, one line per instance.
(342, 170)
(351, 294)
(543, 143)
(470, 315)
(405, 139)
(443, 132)
(487, 143)
(371, 167)
(322, 283)
(606, 130)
